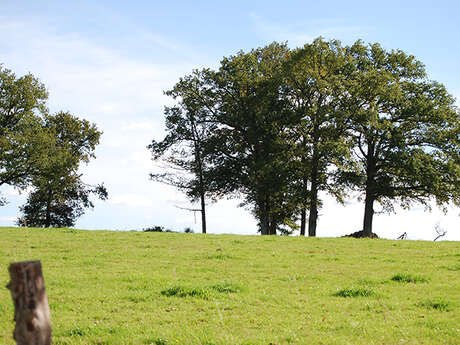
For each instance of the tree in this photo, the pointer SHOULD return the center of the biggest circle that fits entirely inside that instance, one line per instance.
(405, 129)
(22, 101)
(185, 149)
(252, 153)
(314, 85)
(59, 195)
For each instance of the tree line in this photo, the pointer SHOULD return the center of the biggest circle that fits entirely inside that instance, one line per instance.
(43, 152)
(276, 126)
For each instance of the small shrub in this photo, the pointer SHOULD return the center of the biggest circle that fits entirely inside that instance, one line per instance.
(408, 278)
(180, 291)
(156, 228)
(355, 292)
(438, 304)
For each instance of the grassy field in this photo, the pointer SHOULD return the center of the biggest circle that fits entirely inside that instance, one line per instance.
(109, 287)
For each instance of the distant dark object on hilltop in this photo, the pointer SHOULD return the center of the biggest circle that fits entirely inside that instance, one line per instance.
(361, 234)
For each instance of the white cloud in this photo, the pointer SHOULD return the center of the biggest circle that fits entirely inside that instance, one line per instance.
(8, 219)
(141, 125)
(131, 200)
(86, 78)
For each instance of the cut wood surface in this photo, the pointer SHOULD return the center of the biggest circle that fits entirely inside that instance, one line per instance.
(31, 309)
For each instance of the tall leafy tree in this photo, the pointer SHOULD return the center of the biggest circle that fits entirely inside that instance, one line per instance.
(252, 150)
(406, 131)
(59, 195)
(185, 150)
(22, 101)
(314, 83)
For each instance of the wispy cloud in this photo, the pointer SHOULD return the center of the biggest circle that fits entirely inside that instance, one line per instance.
(131, 200)
(121, 93)
(8, 219)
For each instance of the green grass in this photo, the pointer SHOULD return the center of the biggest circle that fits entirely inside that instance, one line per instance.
(111, 288)
(408, 278)
(438, 304)
(355, 292)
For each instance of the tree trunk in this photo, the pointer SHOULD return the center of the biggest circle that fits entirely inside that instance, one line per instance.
(31, 309)
(48, 210)
(203, 214)
(303, 210)
(368, 214)
(313, 216)
(272, 228)
(199, 164)
(370, 189)
(303, 220)
(264, 217)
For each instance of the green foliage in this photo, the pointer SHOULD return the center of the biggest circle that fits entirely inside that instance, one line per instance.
(252, 150)
(22, 100)
(405, 131)
(156, 228)
(408, 278)
(315, 77)
(185, 150)
(44, 151)
(276, 127)
(59, 195)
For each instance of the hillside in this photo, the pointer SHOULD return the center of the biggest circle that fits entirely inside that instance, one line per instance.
(108, 287)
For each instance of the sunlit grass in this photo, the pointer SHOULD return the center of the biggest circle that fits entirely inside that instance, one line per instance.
(113, 288)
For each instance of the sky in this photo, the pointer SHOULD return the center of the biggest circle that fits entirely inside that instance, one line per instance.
(110, 61)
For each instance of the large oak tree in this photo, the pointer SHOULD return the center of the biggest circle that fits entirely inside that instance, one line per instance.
(22, 101)
(406, 131)
(314, 82)
(59, 196)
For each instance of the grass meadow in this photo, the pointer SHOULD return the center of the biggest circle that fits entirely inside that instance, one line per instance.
(107, 287)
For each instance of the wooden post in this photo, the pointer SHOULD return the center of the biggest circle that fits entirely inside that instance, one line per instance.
(31, 309)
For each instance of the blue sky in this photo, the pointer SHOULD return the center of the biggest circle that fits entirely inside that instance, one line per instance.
(109, 62)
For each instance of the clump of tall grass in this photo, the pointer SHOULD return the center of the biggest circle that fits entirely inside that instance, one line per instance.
(355, 292)
(181, 291)
(200, 292)
(438, 304)
(408, 278)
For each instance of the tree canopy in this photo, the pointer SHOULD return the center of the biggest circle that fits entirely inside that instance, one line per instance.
(44, 152)
(22, 100)
(59, 195)
(405, 130)
(283, 125)
(185, 150)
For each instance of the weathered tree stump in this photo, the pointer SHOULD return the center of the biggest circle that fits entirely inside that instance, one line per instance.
(31, 309)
